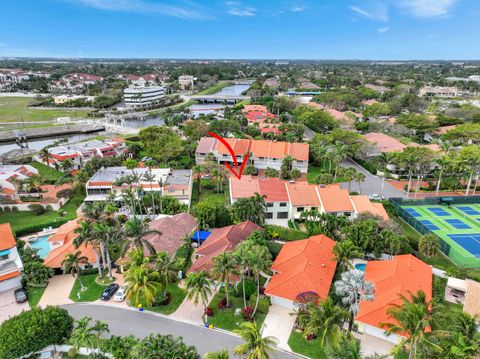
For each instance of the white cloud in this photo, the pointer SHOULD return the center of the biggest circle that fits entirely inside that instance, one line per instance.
(428, 8)
(383, 29)
(238, 9)
(377, 12)
(298, 9)
(187, 10)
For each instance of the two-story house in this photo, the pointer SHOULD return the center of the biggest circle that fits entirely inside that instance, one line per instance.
(11, 265)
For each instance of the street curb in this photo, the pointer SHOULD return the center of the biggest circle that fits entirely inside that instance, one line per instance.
(148, 312)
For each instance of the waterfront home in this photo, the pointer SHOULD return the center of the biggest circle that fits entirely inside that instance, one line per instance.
(11, 265)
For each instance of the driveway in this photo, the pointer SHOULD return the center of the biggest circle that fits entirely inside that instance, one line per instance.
(141, 324)
(372, 183)
(279, 324)
(372, 345)
(8, 305)
(57, 291)
(188, 311)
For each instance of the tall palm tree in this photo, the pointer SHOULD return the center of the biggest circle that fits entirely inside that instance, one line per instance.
(384, 160)
(444, 163)
(167, 268)
(144, 283)
(344, 251)
(324, 320)
(414, 318)
(137, 232)
(83, 335)
(224, 268)
(244, 258)
(359, 177)
(73, 263)
(255, 346)
(429, 244)
(46, 157)
(86, 236)
(353, 288)
(198, 171)
(109, 233)
(262, 261)
(199, 287)
(150, 178)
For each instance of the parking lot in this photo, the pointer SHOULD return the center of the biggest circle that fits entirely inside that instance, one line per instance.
(8, 306)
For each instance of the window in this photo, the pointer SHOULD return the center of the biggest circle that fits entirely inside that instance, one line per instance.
(261, 158)
(283, 204)
(269, 204)
(282, 215)
(348, 214)
(268, 215)
(4, 257)
(314, 208)
(300, 209)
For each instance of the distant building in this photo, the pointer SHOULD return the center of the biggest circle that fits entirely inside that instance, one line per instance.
(59, 100)
(439, 91)
(175, 183)
(282, 62)
(10, 175)
(11, 265)
(186, 82)
(75, 82)
(140, 81)
(82, 152)
(263, 154)
(142, 96)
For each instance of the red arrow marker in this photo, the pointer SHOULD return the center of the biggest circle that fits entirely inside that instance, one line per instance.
(234, 156)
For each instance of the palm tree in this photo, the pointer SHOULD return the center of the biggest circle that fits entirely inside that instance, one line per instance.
(224, 268)
(150, 178)
(350, 174)
(261, 261)
(428, 245)
(108, 234)
(359, 177)
(32, 183)
(444, 162)
(198, 170)
(223, 354)
(244, 258)
(86, 336)
(353, 288)
(73, 263)
(137, 231)
(46, 157)
(344, 252)
(167, 269)
(384, 160)
(67, 165)
(413, 318)
(255, 346)
(144, 283)
(324, 320)
(86, 236)
(199, 287)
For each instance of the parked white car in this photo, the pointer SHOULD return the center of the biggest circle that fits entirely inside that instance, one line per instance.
(120, 294)
(375, 197)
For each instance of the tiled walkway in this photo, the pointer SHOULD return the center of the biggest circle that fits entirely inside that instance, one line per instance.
(279, 324)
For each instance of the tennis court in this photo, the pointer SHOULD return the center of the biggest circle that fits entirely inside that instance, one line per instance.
(457, 225)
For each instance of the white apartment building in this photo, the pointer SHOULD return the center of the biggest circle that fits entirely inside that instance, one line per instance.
(142, 96)
(439, 91)
(186, 82)
(11, 265)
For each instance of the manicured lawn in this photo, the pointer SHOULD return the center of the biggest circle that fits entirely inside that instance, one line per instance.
(34, 295)
(313, 172)
(20, 221)
(214, 88)
(209, 195)
(14, 109)
(91, 294)
(300, 345)
(178, 295)
(48, 173)
(226, 318)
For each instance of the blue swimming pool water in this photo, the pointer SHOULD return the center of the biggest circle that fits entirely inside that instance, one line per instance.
(360, 266)
(42, 244)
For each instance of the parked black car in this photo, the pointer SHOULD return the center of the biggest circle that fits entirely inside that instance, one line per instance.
(109, 291)
(20, 295)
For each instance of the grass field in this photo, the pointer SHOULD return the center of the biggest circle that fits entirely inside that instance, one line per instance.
(209, 194)
(21, 220)
(311, 348)
(48, 173)
(214, 88)
(455, 220)
(178, 295)
(91, 294)
(34, 295)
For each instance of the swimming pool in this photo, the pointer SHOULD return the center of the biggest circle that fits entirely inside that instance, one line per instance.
(42, 244)
(361, 266)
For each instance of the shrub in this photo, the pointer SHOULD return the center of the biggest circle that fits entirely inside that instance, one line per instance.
(14, 209)
(263, 304)
(222, 304)
(250, 288)
(247, 312)
(38, 227)
(209, 312)
(33, 330)
(7, 209)
(286, 234)
(37, 209)
(65, 193)
(1, 209)
(49, 208)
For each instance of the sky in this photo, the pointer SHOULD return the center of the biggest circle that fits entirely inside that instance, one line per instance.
(268, 29)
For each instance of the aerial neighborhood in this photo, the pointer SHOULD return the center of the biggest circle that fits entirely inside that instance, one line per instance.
(157, 207)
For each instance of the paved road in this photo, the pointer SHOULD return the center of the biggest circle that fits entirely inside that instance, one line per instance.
(372, 184)
(126, 322)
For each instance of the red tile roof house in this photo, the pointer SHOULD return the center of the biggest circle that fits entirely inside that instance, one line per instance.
(286, 200)
(403, 274)
(219, 241)
(302, 266)
(263, 154)
(9, 174)
(11, 265)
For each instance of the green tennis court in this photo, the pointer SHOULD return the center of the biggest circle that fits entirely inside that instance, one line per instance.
(457, 226)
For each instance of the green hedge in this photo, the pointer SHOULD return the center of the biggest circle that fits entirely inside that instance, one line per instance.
(38, 227)
(287, 234)
(33, 330)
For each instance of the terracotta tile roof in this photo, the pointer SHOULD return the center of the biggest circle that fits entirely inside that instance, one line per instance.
(400, 275)
(66, 234)
(219, 241)
(274, 188)
(261, 148)
(299, 151)
(248, 108)
(384, 143)
(303, 266)
(173, 229)
(258, 116)
(363, 205)
(9, 275)
(303, 194)
(247, 186)
(206, 145)
(239, 146)
(335, 199)
(7, 240)
(472, 298)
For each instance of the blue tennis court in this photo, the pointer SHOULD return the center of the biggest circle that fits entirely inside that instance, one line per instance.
(412, 212)
(429, 225)
(438, 211)
(458, 224)
(468, 210)
(470, 242)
